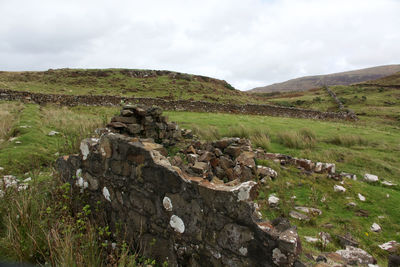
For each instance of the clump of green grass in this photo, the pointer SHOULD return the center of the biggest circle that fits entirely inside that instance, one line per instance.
(209, 133)
(304, 138)
(348, 140)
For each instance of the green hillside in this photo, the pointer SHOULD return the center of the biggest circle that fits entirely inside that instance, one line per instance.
(124, 82)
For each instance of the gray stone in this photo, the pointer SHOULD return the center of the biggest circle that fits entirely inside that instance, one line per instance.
(370, 177)
(200, 167)
(299, 216)
(354, 256)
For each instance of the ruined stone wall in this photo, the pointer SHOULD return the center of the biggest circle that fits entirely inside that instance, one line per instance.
(186, 221)
(175, 214)
(178, 105)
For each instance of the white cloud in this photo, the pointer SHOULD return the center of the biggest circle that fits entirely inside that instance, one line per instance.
(248, 43)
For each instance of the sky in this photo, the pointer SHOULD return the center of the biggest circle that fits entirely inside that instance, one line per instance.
(248, 43)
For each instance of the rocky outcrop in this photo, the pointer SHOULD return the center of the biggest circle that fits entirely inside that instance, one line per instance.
(179, 105)
(169, 214)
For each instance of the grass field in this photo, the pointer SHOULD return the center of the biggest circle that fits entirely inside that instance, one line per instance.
(30, 219)
(119, 82)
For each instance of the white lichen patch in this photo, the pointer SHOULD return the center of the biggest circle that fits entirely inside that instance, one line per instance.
(243, 251)
(84, 149)
(243, 190)
(167, 203)
(106, 194)
(177, 224)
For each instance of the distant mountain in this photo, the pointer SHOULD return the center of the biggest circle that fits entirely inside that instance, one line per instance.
(390, 81)
(341, 78)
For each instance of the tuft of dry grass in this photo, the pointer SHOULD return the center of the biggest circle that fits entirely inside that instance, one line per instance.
(348, 140)
(8, 114)
(73, 126)
(303, 138)
(210, 133)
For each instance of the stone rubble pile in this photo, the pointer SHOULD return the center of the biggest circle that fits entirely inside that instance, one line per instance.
(229, 160)
(138, 121)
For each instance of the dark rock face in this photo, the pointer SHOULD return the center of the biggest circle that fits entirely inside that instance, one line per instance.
(192, 221)
(170, 215)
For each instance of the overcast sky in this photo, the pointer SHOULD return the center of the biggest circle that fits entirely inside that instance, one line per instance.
(249, 43)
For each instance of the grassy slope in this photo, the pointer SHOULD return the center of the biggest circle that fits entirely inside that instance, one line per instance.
(120, 82)
(378, 153)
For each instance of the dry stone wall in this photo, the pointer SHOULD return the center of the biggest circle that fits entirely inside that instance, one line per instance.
(179, 105)
(169, 214)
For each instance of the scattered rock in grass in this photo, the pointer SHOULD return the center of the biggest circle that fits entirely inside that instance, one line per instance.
(339, 188)
(311, 239)
(381, 217)
(348, 176)
(273, 201)
(347, 240)
(27, 179)
(387, 195)
(352, 204)
(390, 246)
(1, 169)
(18, 142)
(370, 177)
(362, 213)
(263, 171)
(356, 256)
(361, 197)
(388, 183)
(375, 227)
(1, 193)
(52, 133)
(308, 210)
(12, 139)
(325, 238)
(299, 216)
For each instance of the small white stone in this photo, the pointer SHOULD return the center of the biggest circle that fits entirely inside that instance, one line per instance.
(113, 245)
(375, 227)
(387, 195)
(361, 197)
(370, 177)
(339, 188)
(311, 239)
(84, 150)
(388, 183)
(52, 133)
(27, 179)
(18, 142)
(1, 169)
(167, 203)
(273, 200)
(106, 194)
(177, 224)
